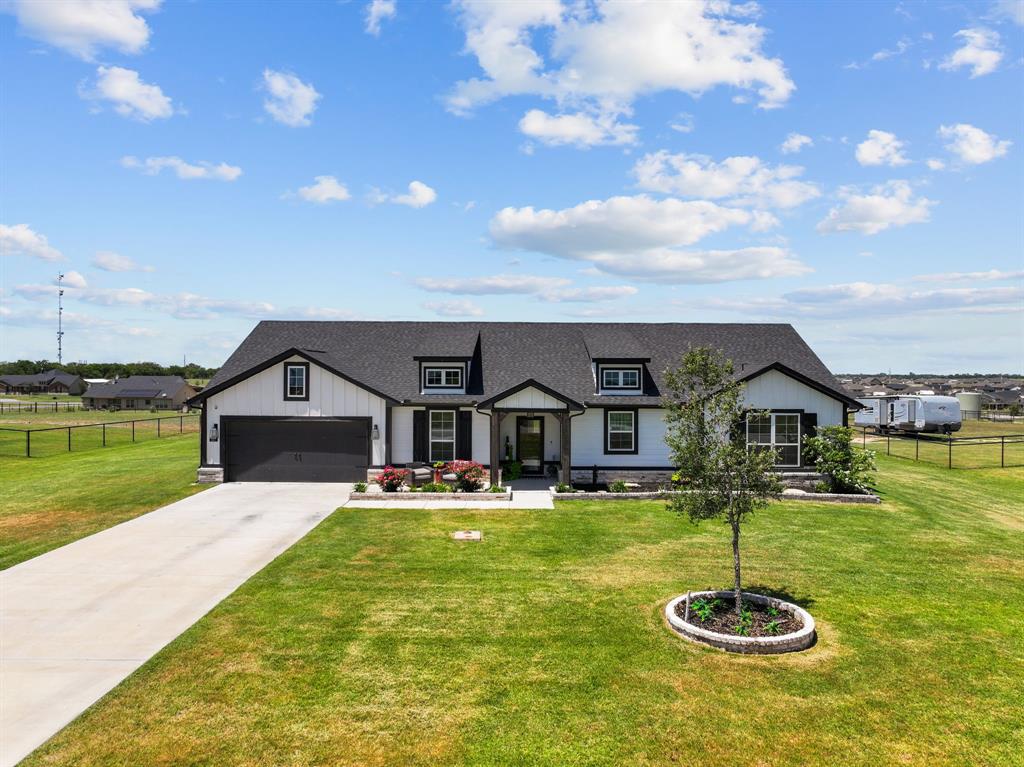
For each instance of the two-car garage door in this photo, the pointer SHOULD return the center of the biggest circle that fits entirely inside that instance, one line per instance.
(295, 449)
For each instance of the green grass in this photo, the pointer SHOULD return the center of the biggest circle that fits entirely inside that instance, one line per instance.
(48, 502)
(378, 640)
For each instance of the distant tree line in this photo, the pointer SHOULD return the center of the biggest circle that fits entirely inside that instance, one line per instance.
(107, 369)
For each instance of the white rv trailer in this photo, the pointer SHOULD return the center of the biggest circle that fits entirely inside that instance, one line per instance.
(910, 412)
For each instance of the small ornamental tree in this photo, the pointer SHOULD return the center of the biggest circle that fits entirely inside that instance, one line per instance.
(724, 479)
(848, 469)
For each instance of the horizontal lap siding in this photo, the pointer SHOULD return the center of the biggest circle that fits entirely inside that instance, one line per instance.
(588, 440)
(263, 395)
(551, 434)
(401, 440)
(776, 391)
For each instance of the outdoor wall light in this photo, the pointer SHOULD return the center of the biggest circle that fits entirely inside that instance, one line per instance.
(214, 433)
(375, 432)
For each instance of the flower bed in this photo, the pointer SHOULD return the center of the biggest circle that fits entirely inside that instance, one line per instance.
(476, 496)
(797, 622)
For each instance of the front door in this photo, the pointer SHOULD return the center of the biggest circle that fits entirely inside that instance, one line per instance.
(530, 443)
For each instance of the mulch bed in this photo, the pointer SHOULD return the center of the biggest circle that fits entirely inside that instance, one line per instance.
(724, 620)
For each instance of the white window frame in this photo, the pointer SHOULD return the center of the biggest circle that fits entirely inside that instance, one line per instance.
(445, 372)
(618, 371)
(288, 394)
(430, 433)
(609, 431)
(774, 444)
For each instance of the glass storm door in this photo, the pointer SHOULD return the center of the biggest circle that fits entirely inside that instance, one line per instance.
(530, 444)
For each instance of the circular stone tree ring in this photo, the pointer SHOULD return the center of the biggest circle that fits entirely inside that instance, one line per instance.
(798, 640)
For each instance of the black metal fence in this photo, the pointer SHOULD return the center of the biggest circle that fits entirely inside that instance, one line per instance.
(998, 416)
(52, 440)
(39, 407)
(985, 452)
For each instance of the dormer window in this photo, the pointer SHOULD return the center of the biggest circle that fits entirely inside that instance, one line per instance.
(438, 377)
(296, 381)
(620, 378)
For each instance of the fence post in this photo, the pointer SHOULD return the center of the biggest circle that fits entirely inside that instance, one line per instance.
(158, 428)
(888, 438)
(69, 439)
(917, 444)
(950, 440)
(104, 434)
(133, 431)
(28, 444)
(181, 424)
(1002, 451)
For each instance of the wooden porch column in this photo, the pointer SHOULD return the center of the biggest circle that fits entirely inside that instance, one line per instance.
(495, 446)
(565, 445)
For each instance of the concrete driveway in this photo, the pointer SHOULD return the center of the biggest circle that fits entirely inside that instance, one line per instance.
(76, 621)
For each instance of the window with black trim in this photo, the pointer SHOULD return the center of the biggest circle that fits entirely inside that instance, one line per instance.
(779, 432)
(442, 435)
(620, 378)
(620, 431)
(442, 378)
(296, 381)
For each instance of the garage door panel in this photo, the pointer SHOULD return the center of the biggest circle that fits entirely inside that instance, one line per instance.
(295, 450)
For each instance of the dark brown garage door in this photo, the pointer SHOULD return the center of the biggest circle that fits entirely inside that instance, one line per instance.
(295, 449)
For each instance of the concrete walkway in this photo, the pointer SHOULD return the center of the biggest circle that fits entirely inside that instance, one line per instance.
(521, 499)
(76, 621)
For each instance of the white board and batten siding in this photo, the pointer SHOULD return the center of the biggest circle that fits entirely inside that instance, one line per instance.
(530, 399)
(263, 395)
(774, 390)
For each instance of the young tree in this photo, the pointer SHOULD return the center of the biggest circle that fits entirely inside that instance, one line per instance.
(705, 417)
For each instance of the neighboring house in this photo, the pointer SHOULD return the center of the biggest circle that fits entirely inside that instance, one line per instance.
(325, 401)
(50, 382)
(140, 393)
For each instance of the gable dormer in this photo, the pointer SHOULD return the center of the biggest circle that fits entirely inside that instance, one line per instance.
(440, 375)
(621, 376)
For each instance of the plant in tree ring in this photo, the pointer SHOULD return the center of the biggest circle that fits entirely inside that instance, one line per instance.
(771, 642)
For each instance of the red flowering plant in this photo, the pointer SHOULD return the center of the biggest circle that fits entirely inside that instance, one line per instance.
(391, 479)
(469, 475)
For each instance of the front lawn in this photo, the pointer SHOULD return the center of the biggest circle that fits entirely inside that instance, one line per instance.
(378, 640)
(48, 502)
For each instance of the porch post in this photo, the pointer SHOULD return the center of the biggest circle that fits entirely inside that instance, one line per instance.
(565, 444)
(495, 446)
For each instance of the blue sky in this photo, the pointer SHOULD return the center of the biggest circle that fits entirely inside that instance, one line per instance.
(854, 169)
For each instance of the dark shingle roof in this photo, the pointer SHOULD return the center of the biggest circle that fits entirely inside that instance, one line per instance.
(383, 355)
(41, 379)
(138, 386)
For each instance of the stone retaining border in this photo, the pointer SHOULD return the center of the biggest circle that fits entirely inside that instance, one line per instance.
(661, 494)
(407, 496)
(798, 640)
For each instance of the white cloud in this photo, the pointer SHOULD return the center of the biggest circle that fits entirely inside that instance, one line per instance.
(152, 166)
(864, 299)
(579, 129)
(980, 51)
(741, 180)
(889, 205)
(972, 145)
(992, 275)
(73, 279)
(645, 238)
(376, 12)
(589, 295)
(289, 100)
(1011, 10)
(130, 96)
(499, 284)
(795, 142)
(109, 261)
(81, 27)
(419, 196)
(325, 189)
(934, 163)
(881, 148)
(603, 56)
(454, 308)
(21, 240)
(683, 123)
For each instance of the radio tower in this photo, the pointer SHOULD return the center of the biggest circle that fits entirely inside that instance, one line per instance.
(60, 319)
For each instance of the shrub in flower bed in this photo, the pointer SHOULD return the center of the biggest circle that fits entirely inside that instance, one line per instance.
(469, 475)
(435, 487)
(391, 479)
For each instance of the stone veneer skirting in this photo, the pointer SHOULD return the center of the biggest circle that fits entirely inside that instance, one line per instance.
(210, 475)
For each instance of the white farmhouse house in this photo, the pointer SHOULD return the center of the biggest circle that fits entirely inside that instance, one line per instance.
(327, 401)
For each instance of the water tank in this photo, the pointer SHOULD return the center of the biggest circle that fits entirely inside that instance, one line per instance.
(970, 404)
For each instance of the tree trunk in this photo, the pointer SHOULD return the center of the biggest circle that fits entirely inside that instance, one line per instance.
(737, 589)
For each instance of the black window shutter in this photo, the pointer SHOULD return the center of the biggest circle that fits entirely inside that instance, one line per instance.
(808, 428)
(420, 448)
(464, 436)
